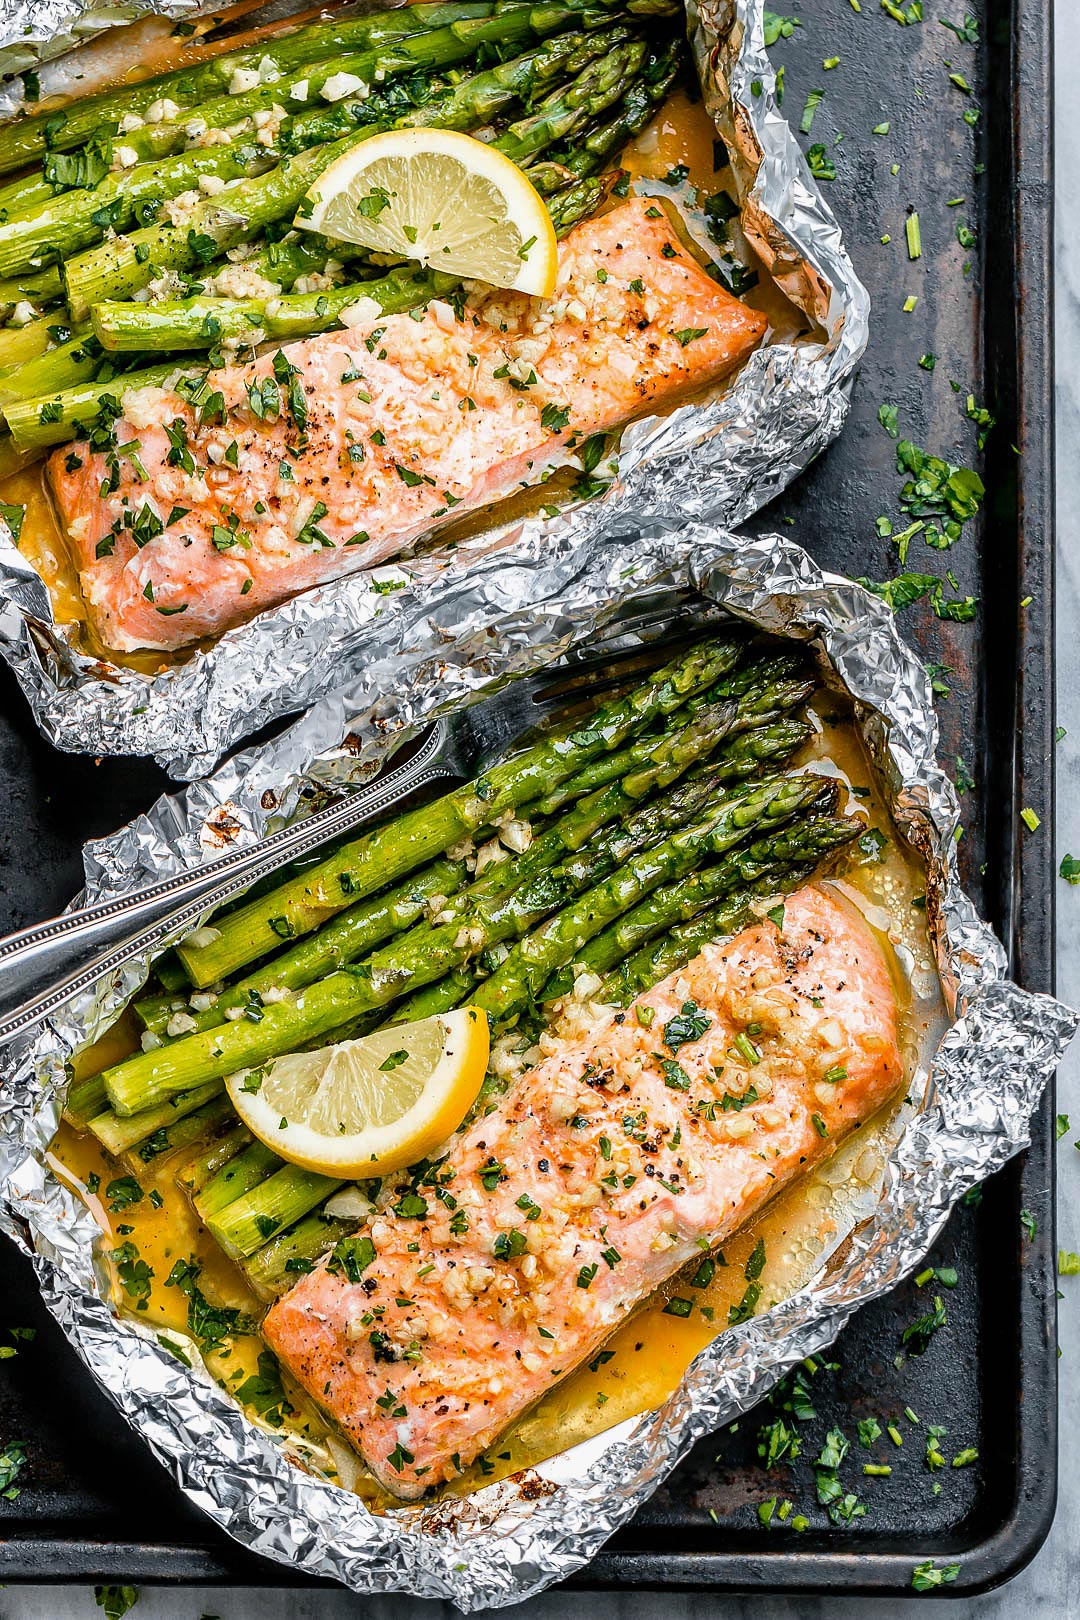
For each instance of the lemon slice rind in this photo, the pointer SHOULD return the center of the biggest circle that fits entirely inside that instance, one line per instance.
(372, 1105)
(443, 198)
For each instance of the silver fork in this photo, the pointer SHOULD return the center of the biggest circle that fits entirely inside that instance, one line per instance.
(71, 953)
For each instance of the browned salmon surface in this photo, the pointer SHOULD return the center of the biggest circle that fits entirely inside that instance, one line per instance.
(608, 1166)
(334, 454)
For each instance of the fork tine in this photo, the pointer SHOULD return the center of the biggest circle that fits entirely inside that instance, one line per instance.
(554, 687)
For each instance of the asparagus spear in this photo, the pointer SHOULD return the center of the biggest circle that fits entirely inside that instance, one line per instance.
(24, 193)
(124, 264)
(66, 365)
(684, 940)
(85, 1099)
(638, 107)
(269, 1207)
(214, 1119)
(21, 343)
(24, 139)
(769, 865)
(193, 1176)
(520, 978)
(63, 224)
(575, 203)
(277, 1264)
(389, 853)
(442, 996)
(756, 724)
(119, 1135)
(207, 323)
(301, 253)
(759, 686)
(345, 937)
(41, 288)
(55, 418)
(251, 1166)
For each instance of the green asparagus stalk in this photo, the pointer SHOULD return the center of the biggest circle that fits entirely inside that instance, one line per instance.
(18, 344)
(346, 936)
(566, 110)
(40, 288)
(270, 1206)
(639, 105)
(251, 1166)
(85, 1100)
(193, 1176)
(25, 139)
(521, 977)
(575, 203)
(301, 253)
(53, 419)
(25, 192)
(120, 1135)
(168, 972)
(66, 365)
(654, 961)
(769, 865)
(758, 738)
(207, 323)
(391, 852)
(63, 224)
(275, 1266)
(215, 1119)
(442, 996)
(423, 954)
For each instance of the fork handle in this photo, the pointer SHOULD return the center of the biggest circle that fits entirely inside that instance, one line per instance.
(72, 952)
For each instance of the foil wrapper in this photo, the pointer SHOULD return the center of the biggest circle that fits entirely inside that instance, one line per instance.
(711, 462)
(978, 1088)
(33, 32)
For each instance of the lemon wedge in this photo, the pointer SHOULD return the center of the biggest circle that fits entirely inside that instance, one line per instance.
(443, 198)
(369, 1106)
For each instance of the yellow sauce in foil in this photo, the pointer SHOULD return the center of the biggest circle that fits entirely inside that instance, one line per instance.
(644, 1361)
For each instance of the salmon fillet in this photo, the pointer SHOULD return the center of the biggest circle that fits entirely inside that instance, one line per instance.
(606, 1168)
(336, 453)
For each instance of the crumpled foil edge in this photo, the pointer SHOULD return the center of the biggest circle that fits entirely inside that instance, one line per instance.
(718, 461)
(507, 1542)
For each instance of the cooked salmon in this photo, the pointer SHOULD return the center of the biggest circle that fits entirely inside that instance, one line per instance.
(607, 1167)
(336, 453)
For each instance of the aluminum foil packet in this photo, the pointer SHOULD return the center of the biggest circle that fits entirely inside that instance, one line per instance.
(978, 1088)
(716, 462)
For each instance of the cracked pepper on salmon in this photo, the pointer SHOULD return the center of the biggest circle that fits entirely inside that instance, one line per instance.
(337, 452)
(608, 1166)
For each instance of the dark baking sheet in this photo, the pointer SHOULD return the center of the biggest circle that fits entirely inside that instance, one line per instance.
(94, 1504)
